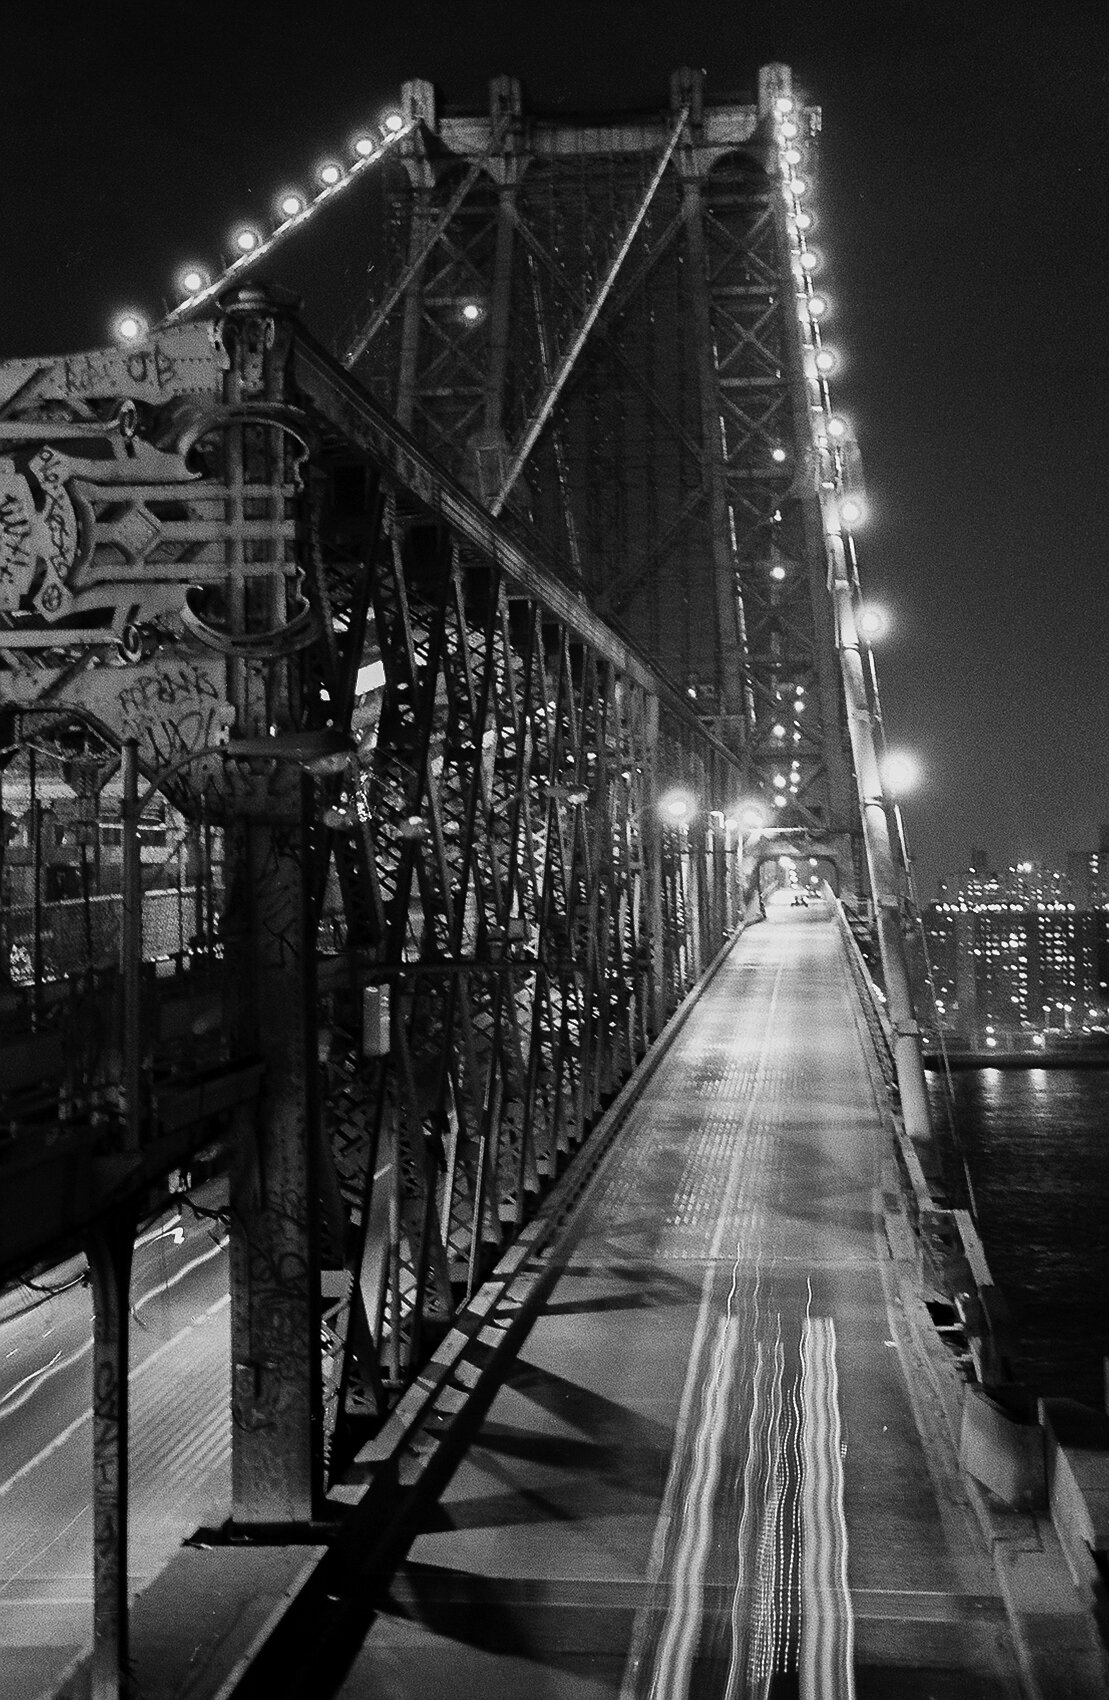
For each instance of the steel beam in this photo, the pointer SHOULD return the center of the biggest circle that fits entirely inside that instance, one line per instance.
(109, 1247)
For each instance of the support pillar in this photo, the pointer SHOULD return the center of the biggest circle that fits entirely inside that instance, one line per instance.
(276, 1459)
(651, 848)
(109, 1249)
(729, 657)
(130, 947)
(882, 869)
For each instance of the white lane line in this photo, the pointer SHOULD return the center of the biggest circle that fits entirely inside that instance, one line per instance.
(159, 1232)
(43, 1369)
(45, 1548)
(827, 1620)
(10, 1404)
(70, 1430)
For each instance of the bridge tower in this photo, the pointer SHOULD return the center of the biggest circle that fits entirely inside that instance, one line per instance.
(603, 326)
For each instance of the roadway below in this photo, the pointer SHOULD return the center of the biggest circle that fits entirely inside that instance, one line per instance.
(180, 1435)
(706, 1474)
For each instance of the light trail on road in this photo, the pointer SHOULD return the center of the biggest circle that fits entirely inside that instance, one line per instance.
(180, 1433)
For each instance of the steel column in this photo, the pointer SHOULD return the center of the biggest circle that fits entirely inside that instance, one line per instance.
(109, 1249)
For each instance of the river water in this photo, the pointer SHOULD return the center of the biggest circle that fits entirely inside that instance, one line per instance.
(1036, 1142)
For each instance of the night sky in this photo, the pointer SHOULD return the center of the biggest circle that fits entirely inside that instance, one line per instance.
(963, 200)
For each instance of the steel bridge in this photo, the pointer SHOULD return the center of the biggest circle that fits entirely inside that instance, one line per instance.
(447, 868)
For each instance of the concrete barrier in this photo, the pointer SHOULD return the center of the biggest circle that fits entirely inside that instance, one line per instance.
(1001, 1444)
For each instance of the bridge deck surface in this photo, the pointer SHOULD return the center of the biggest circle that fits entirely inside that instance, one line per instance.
(704, 1474)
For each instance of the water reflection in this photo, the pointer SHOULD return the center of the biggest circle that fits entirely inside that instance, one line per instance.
(1036, 1142)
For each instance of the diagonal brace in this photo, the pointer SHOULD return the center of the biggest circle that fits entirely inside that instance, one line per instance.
(578, 341)
(364, 337)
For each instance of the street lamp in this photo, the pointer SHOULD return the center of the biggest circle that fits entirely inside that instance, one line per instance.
(900, 772)
(872, 621)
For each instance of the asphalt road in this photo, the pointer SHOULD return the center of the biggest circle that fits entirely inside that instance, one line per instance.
(705, 1475)
(180, 1435)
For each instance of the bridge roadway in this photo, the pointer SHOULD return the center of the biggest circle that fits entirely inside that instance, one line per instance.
(706, 1473)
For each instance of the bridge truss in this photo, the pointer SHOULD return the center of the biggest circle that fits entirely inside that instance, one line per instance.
(458, 845)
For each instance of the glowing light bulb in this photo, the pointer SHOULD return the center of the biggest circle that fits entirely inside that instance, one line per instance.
(803, 220)
(872, 621)
(677, 806)
(290, 205)
(836, 428)
(131, 327)
(364, 146)
(246, 240)
(809, 261)
(779, 731)
(851, 511)
(471, 312)
(778, 454)
(783, 104)
(900, 771)
(817, 306)
(778, 574)
(392, 122)
(825, 361)
(797, 187)
(788, 130)
(792, 156)
(330, 174)
(779, 801)
(192, 280)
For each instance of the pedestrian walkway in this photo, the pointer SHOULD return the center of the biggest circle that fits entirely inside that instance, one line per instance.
(705, 1474)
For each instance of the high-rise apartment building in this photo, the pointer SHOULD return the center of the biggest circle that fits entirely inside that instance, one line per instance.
(1014, 953)
(1088, 874)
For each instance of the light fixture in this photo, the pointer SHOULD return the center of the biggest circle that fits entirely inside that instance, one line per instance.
(792, 156)
(676, 806)
(803, 220)
(817, 306)
(131, 327)
(330, 174)
(825, 361)
(872, 621)
(783, 105)
(246, 240)
(778, 454)
(900, 772)
(850, 511)
(392, 122)
(471, 312)
(836, 427)
(809, 261)
(192, 280)
(290, 205)
(364, 146)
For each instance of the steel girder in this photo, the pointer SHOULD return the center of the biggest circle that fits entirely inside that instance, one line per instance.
(438, 776)
(675, 468)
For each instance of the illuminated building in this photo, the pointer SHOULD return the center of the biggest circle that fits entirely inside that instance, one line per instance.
(1088, 874)
(1016, 953)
